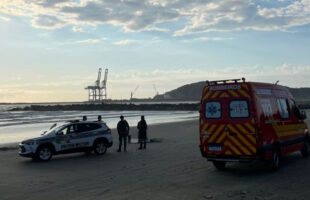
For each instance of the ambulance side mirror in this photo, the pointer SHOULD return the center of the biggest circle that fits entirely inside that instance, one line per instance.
(303, 115)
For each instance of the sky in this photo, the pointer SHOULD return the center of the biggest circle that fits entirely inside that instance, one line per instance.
(50, 50)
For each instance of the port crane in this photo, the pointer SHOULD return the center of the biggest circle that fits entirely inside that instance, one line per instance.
(98, 91)
(133, 92)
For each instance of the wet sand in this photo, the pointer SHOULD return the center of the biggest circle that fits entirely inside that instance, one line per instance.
(172, 169)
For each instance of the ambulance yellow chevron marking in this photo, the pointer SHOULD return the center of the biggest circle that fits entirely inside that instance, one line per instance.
(219, 129)
(207, 95)
(241, 128)
(232, 128)
(245, 86)
(250, 127)
(215, 94)
(246, 143)
(233, 93)
(243, 93)
(205, 89)
(236, 151)
(211, 128)
(220, 139)
(224, 95)
(236, 142)
(204, 128)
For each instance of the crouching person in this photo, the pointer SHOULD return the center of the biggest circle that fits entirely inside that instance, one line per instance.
(142, 127)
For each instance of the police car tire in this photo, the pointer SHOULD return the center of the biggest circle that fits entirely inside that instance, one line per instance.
(100, 147)
(305, 152)
(220, 165)
(44, 153)
(275, 159)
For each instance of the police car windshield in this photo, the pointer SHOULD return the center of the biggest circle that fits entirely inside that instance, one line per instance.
(54, 130)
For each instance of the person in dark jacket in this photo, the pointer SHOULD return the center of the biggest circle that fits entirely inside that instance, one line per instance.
(142, 127)
(123, 131)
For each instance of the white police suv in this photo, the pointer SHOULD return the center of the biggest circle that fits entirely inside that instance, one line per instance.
(74, 136)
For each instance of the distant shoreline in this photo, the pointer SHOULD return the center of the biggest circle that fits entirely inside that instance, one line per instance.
(120, 107)
(111, 107)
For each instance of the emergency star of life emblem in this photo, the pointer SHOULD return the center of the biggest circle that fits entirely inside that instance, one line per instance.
(212, 109)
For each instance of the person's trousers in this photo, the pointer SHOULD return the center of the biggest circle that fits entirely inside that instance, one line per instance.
(121, 138)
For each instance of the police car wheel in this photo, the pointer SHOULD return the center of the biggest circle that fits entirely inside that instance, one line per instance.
(305, 152)
(275, 160)
(220, 165)
(44, 153)
(100, 148)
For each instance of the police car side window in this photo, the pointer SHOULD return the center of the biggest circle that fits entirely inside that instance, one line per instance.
(94, 126)
(87, 127)
(283, 108)
(213, 110)
(82, 128)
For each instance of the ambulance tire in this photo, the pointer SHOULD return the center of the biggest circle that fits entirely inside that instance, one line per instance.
(275, 159)
(220, 165)
(305, 152)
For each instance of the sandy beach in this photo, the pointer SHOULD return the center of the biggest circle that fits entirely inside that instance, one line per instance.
(171, 169)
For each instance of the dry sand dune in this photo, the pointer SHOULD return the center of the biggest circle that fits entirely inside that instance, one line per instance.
(172, 169)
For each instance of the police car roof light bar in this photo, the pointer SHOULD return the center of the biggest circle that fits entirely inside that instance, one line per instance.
(225, 81)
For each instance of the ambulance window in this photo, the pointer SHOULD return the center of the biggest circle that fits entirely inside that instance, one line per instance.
(295, 109)
(239, 109)
(213, 110)
(283, 108)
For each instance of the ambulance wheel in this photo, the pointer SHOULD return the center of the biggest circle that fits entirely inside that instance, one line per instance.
(220, 165)
(44, 153)
(275, 159)
(100, 147)
(305, 151)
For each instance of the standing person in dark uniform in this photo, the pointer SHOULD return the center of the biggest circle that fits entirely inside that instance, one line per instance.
(142, 127)
(123, 131)
(99, 118)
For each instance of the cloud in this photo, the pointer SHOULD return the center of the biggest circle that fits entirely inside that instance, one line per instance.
(206, 39)
(91, 41)
(77, 29)
(123, 42)
(198, 16)
(47, 22)
(5, 19)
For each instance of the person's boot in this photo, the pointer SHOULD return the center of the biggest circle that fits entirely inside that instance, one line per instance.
(119, 150)
(144, 147)
(140, 146)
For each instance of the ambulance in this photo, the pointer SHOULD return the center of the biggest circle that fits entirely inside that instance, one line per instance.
(245, 121)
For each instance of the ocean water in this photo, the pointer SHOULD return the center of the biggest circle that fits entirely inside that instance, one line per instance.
(16, 126)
